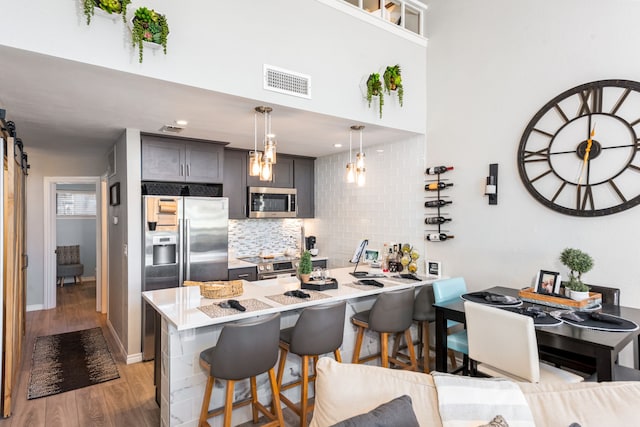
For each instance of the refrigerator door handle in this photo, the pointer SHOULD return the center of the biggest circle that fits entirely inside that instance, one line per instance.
(187, 250)
(180, 253)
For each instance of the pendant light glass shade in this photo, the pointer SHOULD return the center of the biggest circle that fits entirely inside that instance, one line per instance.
(266, 172)
(356, 171)
(261, 164)
(255, 163)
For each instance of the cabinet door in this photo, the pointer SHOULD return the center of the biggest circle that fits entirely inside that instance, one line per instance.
(204, 162)
(162, 160)
(282, 175)
(249, 273)
(304, 184)
(234, 185)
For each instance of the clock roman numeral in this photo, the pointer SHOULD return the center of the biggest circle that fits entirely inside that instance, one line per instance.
(591, 101)
(582, 199)
(561, 112)
(622, 98)
(540, 176)
(617, 190)
(555, 196)
(536, 156)
(634, 168)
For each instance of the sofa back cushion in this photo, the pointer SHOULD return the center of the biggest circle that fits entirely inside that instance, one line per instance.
(346, 390)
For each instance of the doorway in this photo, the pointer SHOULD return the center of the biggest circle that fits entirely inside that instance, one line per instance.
(74, 231)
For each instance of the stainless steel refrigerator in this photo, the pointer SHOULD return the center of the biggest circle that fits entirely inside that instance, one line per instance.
(185, 238)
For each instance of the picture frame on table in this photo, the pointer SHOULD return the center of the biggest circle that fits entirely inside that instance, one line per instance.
(114, 194)
(371, 256)
(547, 282)
(434, 269)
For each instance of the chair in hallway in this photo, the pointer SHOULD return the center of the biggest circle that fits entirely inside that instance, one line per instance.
(504, 344)
(244, 350)
(447, 290)
(318, 330)
(392, 312)
(68, 264)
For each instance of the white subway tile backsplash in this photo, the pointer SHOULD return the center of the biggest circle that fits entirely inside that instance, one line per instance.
(249, 237)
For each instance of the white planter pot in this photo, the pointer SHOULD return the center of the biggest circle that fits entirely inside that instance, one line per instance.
(579, 296)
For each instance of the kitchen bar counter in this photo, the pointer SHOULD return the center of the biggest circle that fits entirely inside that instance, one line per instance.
(186, 331)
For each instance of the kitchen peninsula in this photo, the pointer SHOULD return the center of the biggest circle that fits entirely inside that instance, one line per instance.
(187, 330)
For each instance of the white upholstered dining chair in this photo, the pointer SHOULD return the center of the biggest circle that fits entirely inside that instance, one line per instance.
(504, 344)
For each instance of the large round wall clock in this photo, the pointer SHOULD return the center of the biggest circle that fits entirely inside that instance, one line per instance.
(579, 153)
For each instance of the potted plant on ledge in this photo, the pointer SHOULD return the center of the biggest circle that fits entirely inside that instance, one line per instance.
(578, 263)
(393, 81)
(109, 6)
(305, 267)
(149, 26)
(374, 88)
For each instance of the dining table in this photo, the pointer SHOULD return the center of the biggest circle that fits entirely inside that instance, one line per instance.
(599, 345)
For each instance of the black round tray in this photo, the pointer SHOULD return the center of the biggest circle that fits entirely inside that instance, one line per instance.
(317, 285)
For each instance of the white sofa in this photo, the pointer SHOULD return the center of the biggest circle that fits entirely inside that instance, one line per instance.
(344, 390)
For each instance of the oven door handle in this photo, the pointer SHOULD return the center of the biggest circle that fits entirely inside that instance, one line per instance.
(268, 277)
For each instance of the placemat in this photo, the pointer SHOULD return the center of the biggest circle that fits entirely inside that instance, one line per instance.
(538, 320)
(361, 287)
(483, 298)
(214, 310)
(287, 300)
(608, 322)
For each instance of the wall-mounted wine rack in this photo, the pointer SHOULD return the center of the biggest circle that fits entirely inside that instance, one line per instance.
(438, 200)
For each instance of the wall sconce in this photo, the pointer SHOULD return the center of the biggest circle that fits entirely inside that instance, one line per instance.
(491, 188)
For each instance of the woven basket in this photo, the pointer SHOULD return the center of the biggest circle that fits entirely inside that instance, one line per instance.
(218, 289)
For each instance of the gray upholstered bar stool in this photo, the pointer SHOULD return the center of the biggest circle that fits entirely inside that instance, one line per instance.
(318, 331)
(423, 313)
(244, 350)
(392, 312)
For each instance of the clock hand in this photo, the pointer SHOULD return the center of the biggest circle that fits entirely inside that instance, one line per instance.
(586, 152)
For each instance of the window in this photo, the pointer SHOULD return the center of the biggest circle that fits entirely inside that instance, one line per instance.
(75, 203)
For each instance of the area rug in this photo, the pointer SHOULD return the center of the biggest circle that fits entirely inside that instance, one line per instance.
(70, 361)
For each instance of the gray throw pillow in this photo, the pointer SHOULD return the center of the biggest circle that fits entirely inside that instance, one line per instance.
(395, 413)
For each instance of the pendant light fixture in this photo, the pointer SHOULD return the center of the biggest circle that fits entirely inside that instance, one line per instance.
(261, 163)
(360, 169)
(351, 167)
(255, 156)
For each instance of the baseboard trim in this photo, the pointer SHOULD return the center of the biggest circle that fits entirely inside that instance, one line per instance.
(35, 307)
(121, 348)
(134, 358)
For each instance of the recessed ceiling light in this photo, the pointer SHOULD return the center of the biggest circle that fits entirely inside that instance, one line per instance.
(380, 150)
(182, 122)
(337, 145)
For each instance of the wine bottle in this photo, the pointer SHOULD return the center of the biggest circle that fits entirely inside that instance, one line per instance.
(434, 186)
(438, 169)
(436, 220)
(436, 203)
(438, 237)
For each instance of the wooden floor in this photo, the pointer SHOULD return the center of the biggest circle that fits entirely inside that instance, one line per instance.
(127, 401)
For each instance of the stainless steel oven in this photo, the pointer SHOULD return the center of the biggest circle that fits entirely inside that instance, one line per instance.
(271, 268)
(270, 202)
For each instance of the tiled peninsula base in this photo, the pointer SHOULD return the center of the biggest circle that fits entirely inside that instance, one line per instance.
(183, 380)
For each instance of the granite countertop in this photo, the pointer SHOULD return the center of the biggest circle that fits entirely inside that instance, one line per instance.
(180, 306)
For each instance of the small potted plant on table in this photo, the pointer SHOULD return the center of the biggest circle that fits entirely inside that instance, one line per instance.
(578, 263)
(305, 266)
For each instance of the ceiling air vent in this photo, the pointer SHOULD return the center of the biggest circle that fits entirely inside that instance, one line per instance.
(288, 82)
(171, 129)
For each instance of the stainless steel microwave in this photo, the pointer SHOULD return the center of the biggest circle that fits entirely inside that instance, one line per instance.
(270, 202)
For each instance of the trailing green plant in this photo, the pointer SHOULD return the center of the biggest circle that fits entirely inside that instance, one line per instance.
(393, 81)
(374, 88)
(149, 26)
(305, 266)
(109, 6)
(578, 263)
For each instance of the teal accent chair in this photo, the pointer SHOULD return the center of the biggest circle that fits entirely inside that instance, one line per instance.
(447, 290)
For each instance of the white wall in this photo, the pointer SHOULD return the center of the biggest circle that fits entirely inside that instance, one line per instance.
(389, 208)
(492, 66)
(222, 46)
(45, 163)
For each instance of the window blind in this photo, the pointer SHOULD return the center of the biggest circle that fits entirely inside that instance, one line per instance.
(75, 203)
